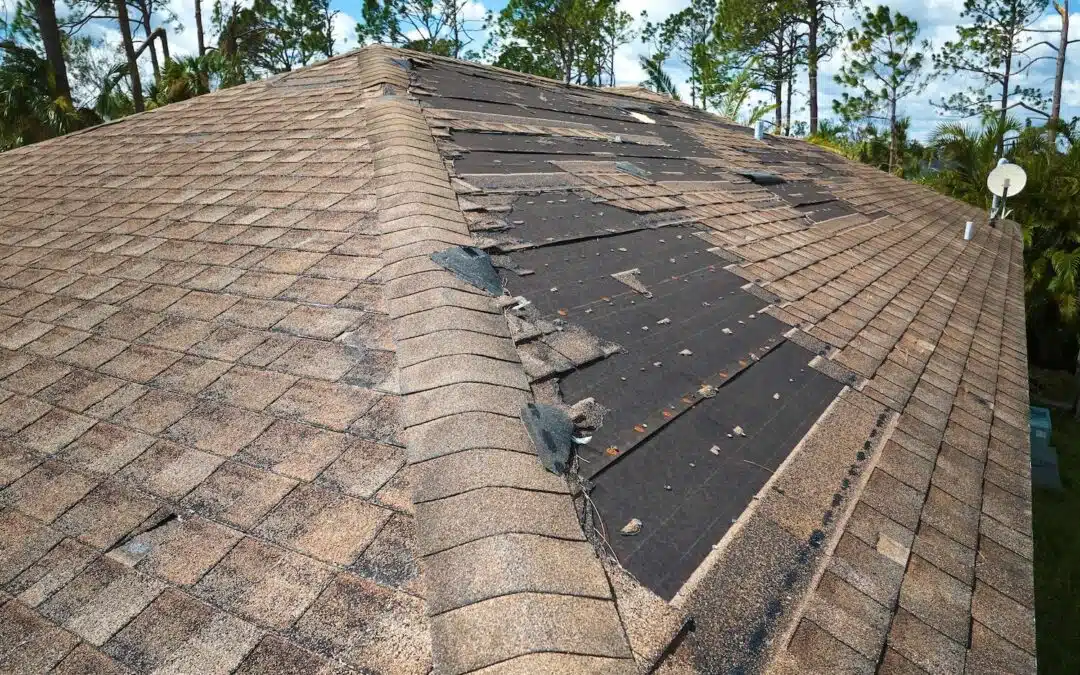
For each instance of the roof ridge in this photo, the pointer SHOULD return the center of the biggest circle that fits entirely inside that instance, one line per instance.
(492, 595)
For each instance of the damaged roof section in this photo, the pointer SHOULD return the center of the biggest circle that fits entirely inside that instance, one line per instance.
(583, 201)
(622, 299)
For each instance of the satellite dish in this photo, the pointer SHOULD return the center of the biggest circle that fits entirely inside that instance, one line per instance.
(1006, 176)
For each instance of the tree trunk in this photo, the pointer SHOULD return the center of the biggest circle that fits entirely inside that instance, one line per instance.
(1062, 8)
(779, 112)
(892, 131)
(199, 28)
(145, 21)
(54, 51)
(812, 64)
(1004, 113)
(787, 104)
(129, 49)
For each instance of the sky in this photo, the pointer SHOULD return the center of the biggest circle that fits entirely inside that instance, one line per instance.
(937, 20)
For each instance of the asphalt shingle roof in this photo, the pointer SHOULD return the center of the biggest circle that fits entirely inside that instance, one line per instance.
(248, 425)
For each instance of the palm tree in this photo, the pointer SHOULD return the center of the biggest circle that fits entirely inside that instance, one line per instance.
(656, 78)
(968, 156)
(112, 102)
(1048, 210)
(730, 98)
(187, 78)
(32, 106)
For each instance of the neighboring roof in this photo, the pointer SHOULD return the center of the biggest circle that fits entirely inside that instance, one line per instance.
(224, 336)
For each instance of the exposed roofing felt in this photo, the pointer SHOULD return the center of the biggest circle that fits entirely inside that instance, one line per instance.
(248, 424)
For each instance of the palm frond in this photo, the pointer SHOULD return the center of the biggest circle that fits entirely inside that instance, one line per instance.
(656, 78)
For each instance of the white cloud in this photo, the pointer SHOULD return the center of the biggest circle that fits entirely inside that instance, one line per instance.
(344, 33)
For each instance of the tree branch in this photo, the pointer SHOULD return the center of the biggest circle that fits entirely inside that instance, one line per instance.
(1021, 104)
(1033, 45)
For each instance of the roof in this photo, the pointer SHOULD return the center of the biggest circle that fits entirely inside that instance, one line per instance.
(249, 425)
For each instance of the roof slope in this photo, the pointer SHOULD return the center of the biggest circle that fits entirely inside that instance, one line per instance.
(199, 420)
(223, 337)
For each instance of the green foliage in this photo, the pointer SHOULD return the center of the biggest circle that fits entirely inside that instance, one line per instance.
(885, 67)
(1048, 210)
(433, 26)
(112, 102)
(686, 36)
(31, 108)
(731, 96)
(657, 78)
(769, 39)
(871, 144)
(272, 36)
(183, 79)
(571, 40)
(1057, 555)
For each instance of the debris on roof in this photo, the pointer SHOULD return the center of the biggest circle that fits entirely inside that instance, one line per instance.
(552, 434)
(472, 265)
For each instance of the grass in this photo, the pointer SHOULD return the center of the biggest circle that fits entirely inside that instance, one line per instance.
(1057, 556)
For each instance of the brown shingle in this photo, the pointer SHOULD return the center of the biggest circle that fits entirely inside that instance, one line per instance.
(268, 585)
(349, 621)
(101, 600)
(177, 629)
(238, 494)
(322, 524)
(29, 643)
(193, 250)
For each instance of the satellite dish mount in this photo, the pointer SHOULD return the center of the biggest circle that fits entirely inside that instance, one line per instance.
(1005, 180)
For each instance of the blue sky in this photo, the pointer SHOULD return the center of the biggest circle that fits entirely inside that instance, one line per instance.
(937, 20)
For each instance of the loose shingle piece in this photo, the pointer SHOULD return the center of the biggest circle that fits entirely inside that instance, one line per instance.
(267, 407)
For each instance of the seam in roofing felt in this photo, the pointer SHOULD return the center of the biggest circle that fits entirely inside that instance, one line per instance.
(480, 633)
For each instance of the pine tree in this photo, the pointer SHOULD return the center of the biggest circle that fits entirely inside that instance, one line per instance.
(885, 66)
(991, 53)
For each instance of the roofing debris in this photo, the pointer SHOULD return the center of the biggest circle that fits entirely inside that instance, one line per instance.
(552, 434)
(472, 265)
(631, 279)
